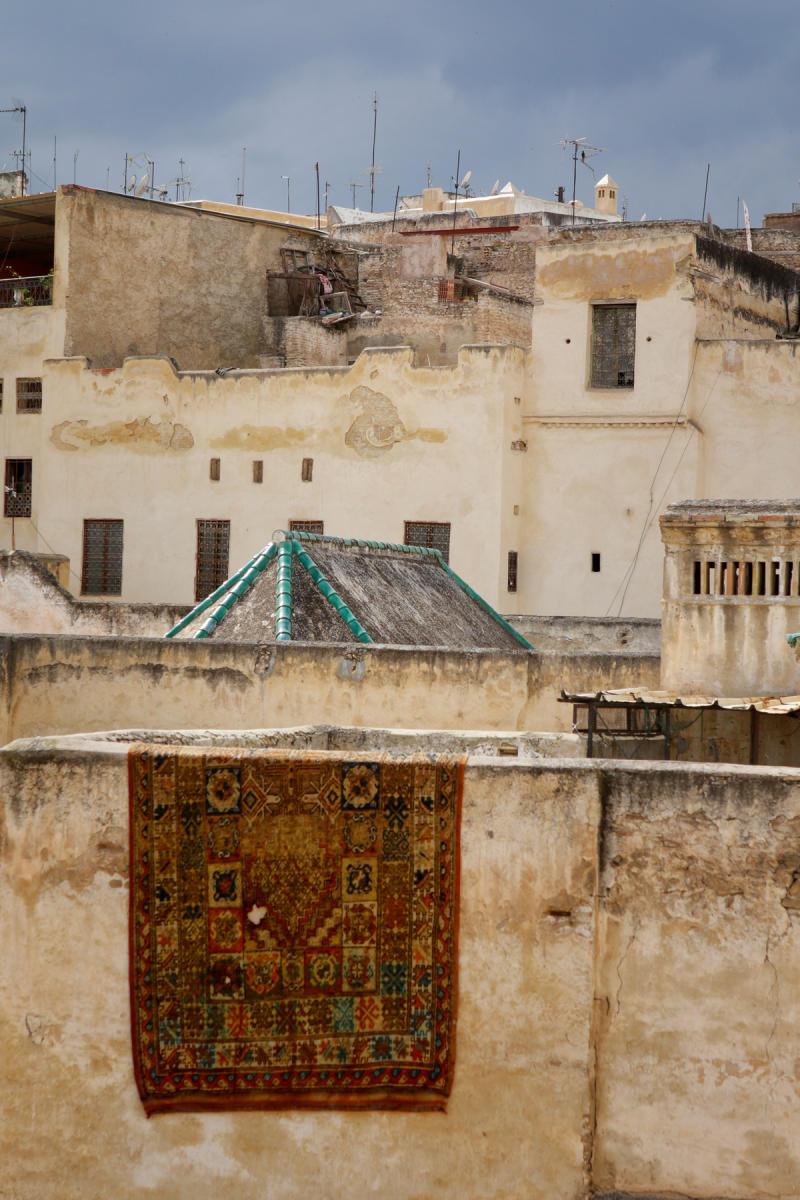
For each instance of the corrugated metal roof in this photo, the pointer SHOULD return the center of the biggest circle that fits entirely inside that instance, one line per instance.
(654, 698)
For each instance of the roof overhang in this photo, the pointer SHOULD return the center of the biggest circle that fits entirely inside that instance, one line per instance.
(27, 225)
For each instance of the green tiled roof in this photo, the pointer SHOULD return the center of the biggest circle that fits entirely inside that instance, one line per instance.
(296, 549)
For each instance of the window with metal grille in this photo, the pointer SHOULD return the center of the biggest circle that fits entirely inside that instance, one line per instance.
(307, 526)
(613, 345)
(102, 558)
(19, 487)
(512, 570)
(258, 470)
(213, 545)
(433, 534)
(29, 395)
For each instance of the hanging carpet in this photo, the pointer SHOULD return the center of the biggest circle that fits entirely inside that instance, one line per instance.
(293, 928)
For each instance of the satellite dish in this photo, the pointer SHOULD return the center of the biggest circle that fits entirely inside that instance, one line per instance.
(466, 179)
(132, 183)
(142, 184)
(493, 192)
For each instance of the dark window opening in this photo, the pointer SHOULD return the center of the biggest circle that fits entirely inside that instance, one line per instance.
(697, 588)
(613, 345)
(258, 470)
(775, 578)
(1, 395)
(214, 470)
(595, 561)
(29, 395)
(19, 487)
(102, 558)
(435, 535)
(306, 527)
(213, 545)
(762, 579)
(512, 570)
(307, 470)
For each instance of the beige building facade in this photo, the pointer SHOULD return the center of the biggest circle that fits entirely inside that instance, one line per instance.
(167, 407)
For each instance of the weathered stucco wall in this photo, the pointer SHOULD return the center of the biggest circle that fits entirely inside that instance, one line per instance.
(388, 442)
(31, 601)
(63, 684)
(698, 976)
(628, 1009)
(520, 1109)
(153, 278)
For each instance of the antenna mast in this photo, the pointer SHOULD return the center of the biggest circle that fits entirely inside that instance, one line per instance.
(240, 194)
(372, 168)
(20, 108)
(586, 151)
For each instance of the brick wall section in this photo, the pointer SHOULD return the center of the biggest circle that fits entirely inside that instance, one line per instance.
(309, 343)
(503, 321)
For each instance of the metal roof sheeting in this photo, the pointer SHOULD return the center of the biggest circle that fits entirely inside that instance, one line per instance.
(653, 698)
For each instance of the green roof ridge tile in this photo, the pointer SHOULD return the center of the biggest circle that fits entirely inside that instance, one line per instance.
(485, 604)
(258, 562)
(283, 607)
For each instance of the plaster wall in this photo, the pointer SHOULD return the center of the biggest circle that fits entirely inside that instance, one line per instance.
(31, 601)
(62, 684)
(388, 445)
(628, 1013)
(697, 983)
(152, 278)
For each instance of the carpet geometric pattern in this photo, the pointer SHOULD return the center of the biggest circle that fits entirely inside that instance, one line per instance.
(293, 928)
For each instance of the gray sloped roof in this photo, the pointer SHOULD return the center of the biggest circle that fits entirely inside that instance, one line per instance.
(307, 587)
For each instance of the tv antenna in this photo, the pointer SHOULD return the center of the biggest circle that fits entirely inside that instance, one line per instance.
(581, 150)
(180, 184)
(20, 108)
(288, 179)
(428, 172)
(240, 194)
(354, 186)
(462, 184)
(372, 171)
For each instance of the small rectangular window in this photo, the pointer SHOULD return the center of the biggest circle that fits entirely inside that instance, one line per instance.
(211, 564)
(512, 570)
(306, 527)
(307, 470)
(258, 470)
(29, 395)
(102, 558)
(613, 345)
(213, 469)
(595, 561)
(19, 487)
(435, 535)
(1, 395)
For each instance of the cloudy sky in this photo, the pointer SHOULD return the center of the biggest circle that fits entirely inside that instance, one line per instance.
(663, 88)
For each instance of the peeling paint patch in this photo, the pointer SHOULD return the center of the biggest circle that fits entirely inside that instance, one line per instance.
(143, 434)
(377, 427)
